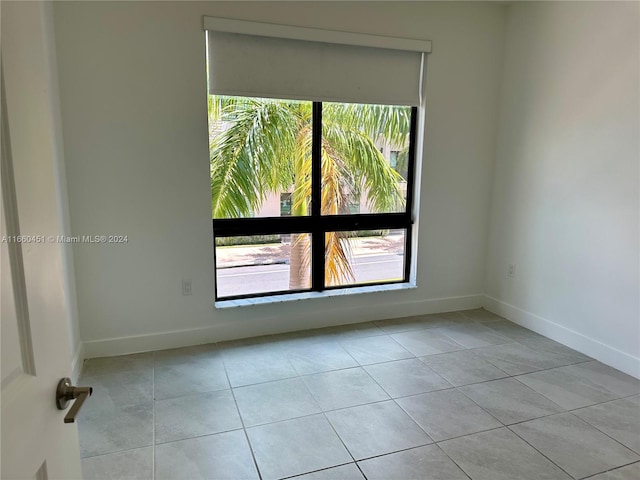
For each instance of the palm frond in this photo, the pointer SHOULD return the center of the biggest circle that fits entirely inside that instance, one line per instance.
(250, 154)
(301, 195)
(386, 122)
(337, 181)
(334, 200)
(367, 167)
(402, 163)
(338, 256)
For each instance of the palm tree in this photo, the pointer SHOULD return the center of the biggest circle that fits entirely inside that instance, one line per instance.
(259, 146)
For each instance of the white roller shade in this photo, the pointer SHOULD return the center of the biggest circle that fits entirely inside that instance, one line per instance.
(277, 61)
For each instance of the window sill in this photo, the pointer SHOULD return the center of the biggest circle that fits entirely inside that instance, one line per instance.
(293, 297)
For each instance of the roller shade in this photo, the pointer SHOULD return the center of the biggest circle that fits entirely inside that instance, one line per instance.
(278, 61)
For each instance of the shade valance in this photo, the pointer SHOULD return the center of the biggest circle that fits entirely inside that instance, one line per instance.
(281, 61)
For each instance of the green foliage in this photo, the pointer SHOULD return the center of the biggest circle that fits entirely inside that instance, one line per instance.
(247, 240)
(250, 157)
(260, 146)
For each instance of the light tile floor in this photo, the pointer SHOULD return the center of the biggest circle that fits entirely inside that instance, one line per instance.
(436, 397)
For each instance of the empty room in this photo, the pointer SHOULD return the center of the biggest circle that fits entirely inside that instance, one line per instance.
(317, 240)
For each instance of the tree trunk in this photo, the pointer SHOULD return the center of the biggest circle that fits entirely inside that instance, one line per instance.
(299, 278)
(300, 255)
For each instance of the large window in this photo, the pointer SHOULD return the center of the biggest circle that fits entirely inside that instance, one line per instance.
(302, 197)
(306, 141)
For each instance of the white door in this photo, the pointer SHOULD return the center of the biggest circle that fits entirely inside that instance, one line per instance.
(36, 352)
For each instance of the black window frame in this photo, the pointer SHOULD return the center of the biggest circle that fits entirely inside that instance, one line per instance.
(317, 225)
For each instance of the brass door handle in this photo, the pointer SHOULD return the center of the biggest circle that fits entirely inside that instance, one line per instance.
(67, 392)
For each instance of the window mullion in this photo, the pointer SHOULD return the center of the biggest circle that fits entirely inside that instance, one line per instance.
(410, 192)
(317, 242)
(411, 160)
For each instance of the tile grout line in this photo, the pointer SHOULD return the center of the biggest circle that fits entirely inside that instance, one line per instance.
(298, 475)
(612, 470)
(153, 418)
(304, 416)
(360, 364)
(244, 429)
(356, 462)
(533, 371)
(502, 425)
(372, 403)
(539, 393)
(624, 397)
(564, 410)
(178, 440)
(496, 332)
(554, 463)
(117, 452)
(453, 461)
(400, 406)
(324, 412)
(342, 442)
(603, 432)
(361, 472)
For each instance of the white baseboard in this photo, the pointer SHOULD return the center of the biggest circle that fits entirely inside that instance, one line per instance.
(251, 328)
(576, 340)
(76, 363)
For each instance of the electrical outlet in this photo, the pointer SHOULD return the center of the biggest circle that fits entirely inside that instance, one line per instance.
(186, 287)
(511, 270)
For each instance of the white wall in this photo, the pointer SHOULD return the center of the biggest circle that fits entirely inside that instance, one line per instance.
(565, 203)
(42, 90)
(62, 198)
(132, 81)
